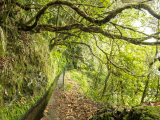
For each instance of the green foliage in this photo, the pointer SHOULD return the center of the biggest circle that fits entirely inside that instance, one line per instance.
(80, 79)
(69, 87)
(84, 83)
(18, 109)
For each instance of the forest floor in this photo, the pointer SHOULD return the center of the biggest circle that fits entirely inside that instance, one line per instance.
(71, 104)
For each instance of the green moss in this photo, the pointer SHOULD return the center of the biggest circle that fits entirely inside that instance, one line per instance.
(1, 96)
(100, 117)
(2, 43)
(125, 117)
(105, 116)
(147, 118)
(137, 113)
(147, 113)
(1, 50)
(108, 115)
(153, 112)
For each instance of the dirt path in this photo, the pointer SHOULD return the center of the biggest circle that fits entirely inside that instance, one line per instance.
(69, 105)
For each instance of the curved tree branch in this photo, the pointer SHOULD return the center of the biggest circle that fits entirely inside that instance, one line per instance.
(136, 41)
(110, 16)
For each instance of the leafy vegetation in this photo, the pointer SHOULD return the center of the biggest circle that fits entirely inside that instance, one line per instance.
(104, 39)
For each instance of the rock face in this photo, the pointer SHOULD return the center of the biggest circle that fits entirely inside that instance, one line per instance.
(24, 70)
(37, 81)
(125, 113)
(31, 86)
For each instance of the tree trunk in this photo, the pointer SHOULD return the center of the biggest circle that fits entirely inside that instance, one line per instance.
(122, 91)
(106, 80)
(145, 89)
(157, 88)
(96, 80)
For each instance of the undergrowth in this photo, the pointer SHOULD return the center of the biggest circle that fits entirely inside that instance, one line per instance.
(85, 84)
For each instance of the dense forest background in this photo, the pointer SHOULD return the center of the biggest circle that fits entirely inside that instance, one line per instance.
(104, 39)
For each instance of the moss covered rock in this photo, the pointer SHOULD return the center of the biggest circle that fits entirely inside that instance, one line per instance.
(111, 113)
(144, 113)
(125, 113)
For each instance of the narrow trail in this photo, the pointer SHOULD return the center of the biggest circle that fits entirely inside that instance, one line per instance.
(69, 105)
(51, 112)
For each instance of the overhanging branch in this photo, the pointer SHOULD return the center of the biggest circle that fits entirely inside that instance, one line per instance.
(110, 16)
(52, 28)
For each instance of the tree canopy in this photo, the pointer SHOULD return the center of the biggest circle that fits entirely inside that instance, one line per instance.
(72, 17)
